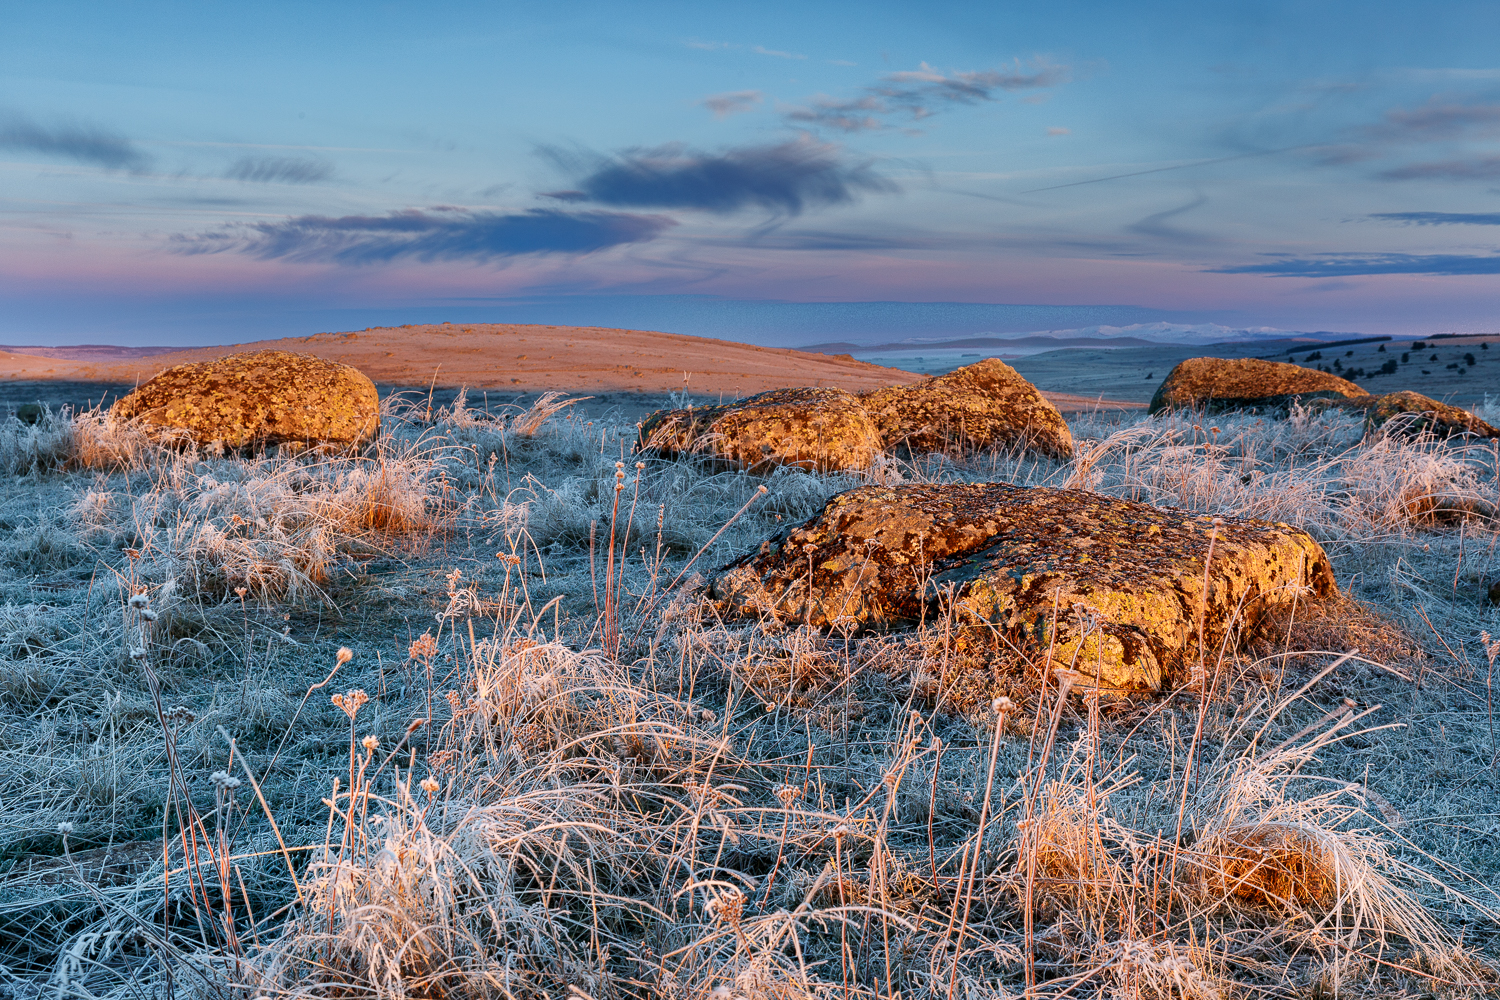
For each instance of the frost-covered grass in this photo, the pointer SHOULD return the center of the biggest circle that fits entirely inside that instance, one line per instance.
(550, 767)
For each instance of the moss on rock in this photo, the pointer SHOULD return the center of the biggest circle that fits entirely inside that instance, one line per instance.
(1214, 384)
(820, 429)
(257, 399)
(982, 405)
(1110, 588)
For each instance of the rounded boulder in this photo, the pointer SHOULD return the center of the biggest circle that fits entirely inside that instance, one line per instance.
(983, 405)
(1214, 384)
(818, 429)
(259, 399)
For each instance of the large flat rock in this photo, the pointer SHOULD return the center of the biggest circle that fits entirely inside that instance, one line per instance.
(1110, 588)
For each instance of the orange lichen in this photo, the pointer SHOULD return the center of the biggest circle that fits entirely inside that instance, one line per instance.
(821, 429)
(982, 405)
(258, 399)
(1109, 588)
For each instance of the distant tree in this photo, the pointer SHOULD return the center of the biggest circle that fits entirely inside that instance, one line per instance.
(1348, 354)
(1405, 358)
(1389, 368)
(1469, 359)
(1381, 348)
(1433, 358)
(1419, 345)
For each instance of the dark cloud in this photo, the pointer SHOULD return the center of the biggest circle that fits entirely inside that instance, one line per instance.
(785, 178)
(911, 95)
(1341, 265)
(430, 235)
(278, 170)
(1441, 218)
(80, 143)
(733, 103)
(1485, 168)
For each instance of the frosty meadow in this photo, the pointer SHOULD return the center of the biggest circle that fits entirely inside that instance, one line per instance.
(491, 706)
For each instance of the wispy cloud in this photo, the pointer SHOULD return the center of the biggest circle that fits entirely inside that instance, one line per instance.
(1340, 265)
(81, 143)
(1437, 120)
(732, 103)
(759, 50)
(427, 235)
(1441, 218)
(1482, 168)
(912, 95)
(786, 178)
(278, 170)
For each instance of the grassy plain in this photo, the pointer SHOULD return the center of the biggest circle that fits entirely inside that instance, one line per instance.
(547, 768)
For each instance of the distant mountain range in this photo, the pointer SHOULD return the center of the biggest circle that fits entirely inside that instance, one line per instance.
(1135, 335)
(88, 352)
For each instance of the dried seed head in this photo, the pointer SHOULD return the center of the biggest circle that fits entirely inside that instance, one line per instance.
(240, 592)
(65, 828)
(224, 782)
(345, 654)
(139, 601)
(430, 785)
(1003, 705)
(640, 465)
(350, 701)
(369, 743)
(728, 906)
(148, 614)
(788, 794)
(181, 715)
(138, 652)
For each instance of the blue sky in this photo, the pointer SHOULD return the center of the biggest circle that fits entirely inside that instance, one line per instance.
(176, 173)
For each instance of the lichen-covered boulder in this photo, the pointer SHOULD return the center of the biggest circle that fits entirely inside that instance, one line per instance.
(819, 429)
(1214, 384)
(1426, 415)
(259, 399)
(1110, 588)
(982, 405)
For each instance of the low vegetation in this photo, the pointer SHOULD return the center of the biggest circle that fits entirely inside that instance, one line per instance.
(455, 719)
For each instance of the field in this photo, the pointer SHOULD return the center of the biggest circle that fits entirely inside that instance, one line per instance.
(457, 720)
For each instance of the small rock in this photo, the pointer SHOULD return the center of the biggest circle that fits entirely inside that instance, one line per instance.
(983, 405)
(1215, 384)
(259, 399)
(821, 429)
(1430, 416)
(1113, 588)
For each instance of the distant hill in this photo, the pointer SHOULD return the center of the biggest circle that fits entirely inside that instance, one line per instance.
(88, 352)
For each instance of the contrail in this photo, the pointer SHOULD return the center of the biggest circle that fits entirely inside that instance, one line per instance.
(1180, 166)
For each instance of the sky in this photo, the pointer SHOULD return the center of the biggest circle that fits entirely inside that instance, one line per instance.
(175, 173)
